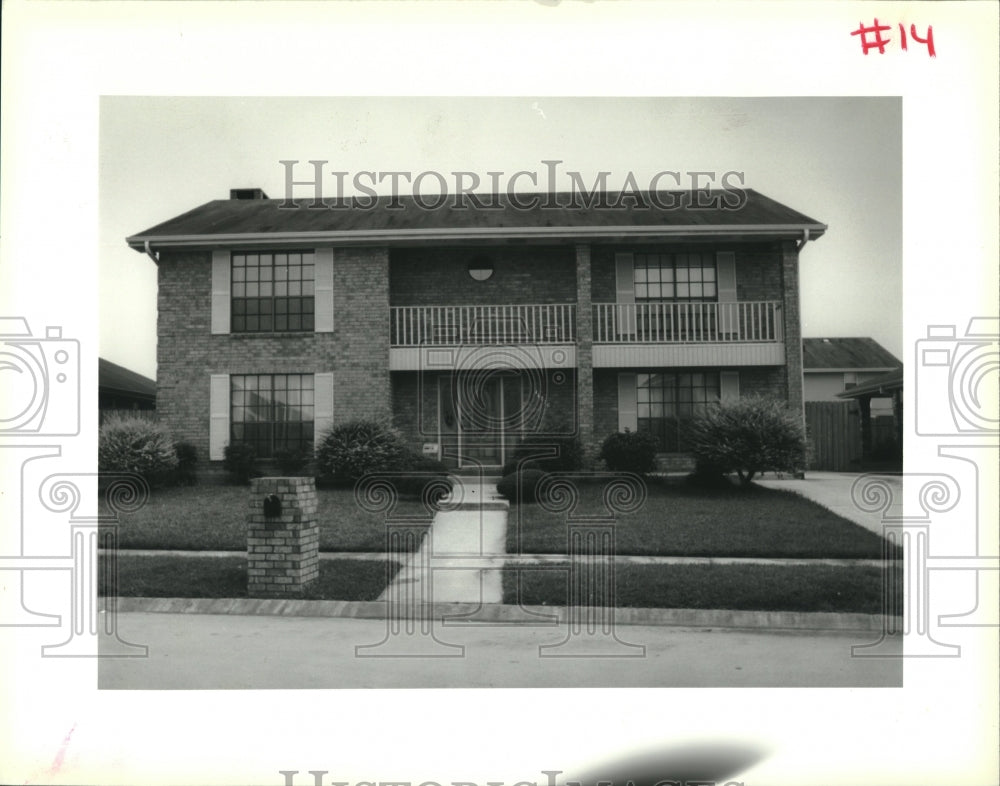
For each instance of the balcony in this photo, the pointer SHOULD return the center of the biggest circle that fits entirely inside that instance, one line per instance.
(716, 334)
(444, 337)
(625, 335)
(415, 326)
(682, 323)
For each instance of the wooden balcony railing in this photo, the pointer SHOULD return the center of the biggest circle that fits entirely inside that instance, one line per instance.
(551, 323)
(684, 323)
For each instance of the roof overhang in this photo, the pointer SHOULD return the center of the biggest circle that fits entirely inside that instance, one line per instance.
(395, 237)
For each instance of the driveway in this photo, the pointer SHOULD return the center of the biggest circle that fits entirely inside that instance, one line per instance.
(835, 491)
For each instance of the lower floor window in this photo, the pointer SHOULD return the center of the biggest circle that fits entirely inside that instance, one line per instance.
(272, 412)
(666, 402)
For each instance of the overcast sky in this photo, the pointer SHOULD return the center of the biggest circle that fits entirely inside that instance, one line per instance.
(838, 160)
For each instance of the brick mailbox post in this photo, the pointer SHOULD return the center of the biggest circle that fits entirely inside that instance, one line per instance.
(282, 537)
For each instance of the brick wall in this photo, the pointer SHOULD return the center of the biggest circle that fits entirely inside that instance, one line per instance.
(521, 274)
(793, 326)
(357, 352)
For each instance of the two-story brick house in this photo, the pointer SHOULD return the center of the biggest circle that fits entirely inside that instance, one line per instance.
(476, 321)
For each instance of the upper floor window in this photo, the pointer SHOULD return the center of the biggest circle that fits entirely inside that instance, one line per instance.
(673, 277)
(273, 291)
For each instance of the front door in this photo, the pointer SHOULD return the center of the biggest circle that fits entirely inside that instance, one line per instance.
(477, 418)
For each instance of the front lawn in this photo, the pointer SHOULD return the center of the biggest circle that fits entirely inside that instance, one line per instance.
(745, 587)
(678, 520)
(213, 518)
(142, 576)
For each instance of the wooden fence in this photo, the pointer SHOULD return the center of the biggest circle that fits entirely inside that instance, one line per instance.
(835, 435)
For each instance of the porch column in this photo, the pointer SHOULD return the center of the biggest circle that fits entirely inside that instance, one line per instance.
(584, 355)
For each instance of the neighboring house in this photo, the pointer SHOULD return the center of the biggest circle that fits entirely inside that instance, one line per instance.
(833, 365)
(475, 322)
(118, 388)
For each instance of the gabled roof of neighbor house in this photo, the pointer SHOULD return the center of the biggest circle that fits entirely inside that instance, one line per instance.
(401, 219)
(112, 377)
(846, 354)
(886, 383)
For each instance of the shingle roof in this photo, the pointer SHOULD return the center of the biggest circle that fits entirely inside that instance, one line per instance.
(846, 353)
(547, 215)
(111, 376)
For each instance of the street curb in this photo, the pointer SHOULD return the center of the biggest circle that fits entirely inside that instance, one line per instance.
(452, 614)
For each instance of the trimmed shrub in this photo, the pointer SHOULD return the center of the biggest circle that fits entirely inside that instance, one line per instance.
(630, 451)
(568, 458)
(521, 487)
(238, 460)
(187, 458)
(131, 444)
(349, 451)
(749, 436)
(291, 461)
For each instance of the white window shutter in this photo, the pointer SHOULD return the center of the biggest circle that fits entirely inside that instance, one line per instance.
(625, 293)
(218, 423)
(725, 276)
(729, 386)
(323, 410)
(627, 409)
(221, 295)
(324, 290)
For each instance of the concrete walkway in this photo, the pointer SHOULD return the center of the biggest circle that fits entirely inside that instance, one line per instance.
(833, 490)
(467, 542)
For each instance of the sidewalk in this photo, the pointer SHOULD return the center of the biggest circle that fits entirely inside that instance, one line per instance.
(833, 490)
(468, 547)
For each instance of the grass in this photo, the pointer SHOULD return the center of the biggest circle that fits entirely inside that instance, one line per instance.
(213, 518)
(226, 577)
(679, 520)
(745, 587)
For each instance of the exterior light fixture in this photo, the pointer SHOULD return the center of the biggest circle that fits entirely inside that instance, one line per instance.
(480, 269)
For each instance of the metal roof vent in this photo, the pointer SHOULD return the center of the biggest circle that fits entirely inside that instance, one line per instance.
(247, 193)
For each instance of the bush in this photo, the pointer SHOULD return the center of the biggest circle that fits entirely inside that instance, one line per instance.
(630, 451)
(521, 486)
(349, 451)
(291, 461)
(187, 457)
(131, 444)
(709, 476)
(568, 458)
(426, 472)
(749, 436)
(238, 460)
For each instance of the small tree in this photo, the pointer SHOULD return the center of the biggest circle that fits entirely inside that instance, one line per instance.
(749, 436)
(630, 451)
(239, 460)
